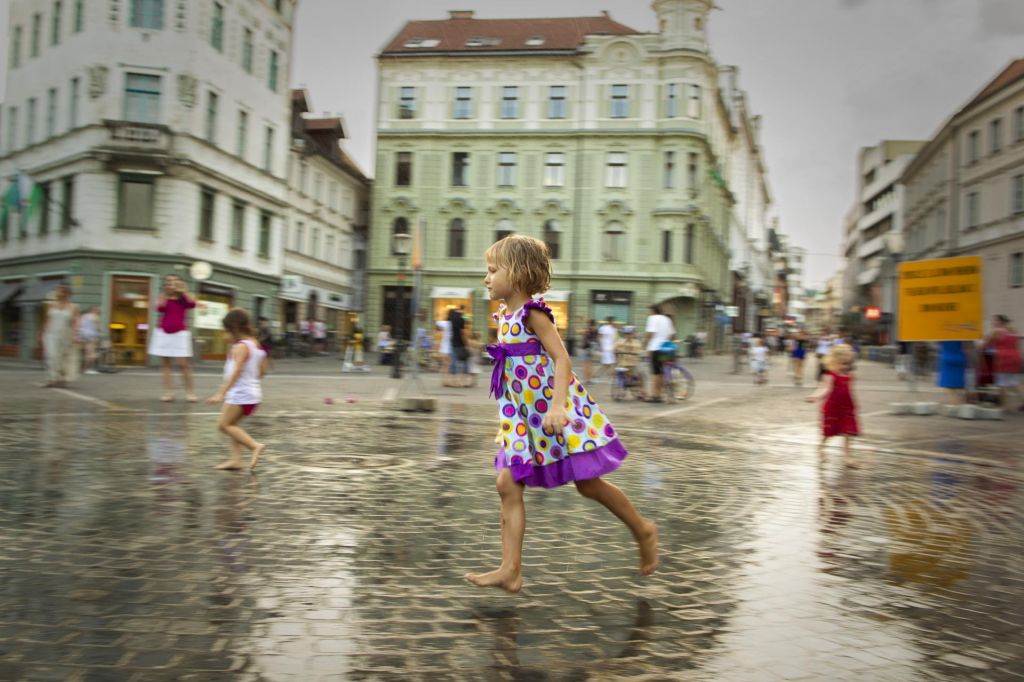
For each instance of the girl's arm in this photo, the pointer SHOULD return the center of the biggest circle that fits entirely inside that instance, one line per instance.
(240, 353)
(544, 328)
(264, 365)
(822, 391)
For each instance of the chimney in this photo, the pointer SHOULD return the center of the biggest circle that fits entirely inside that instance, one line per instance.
(460, 14)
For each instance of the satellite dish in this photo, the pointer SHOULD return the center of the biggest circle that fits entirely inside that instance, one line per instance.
(201, 270)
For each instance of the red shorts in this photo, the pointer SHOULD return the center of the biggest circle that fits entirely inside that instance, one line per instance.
(247, 410)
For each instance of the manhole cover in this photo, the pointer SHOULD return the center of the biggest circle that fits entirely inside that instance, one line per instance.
(332, 463)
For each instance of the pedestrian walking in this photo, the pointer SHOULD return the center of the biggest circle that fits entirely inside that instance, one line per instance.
(171, 340)
(59, 339)
(821, 352)
(319, 330)
(797, 355)
(444, 349)
(588, 347)
(89, 337)
(1005, 347)
(385, 345)
(607, 335)
(241, 391)
(458, 368)
(354, 361)
(659, 333)
(952, 370)
(839, 411)
(540, 444)
(759, 361)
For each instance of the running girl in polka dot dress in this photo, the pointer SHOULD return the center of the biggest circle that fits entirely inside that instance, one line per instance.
(551, 431)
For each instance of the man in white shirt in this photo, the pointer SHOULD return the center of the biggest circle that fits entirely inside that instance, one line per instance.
(660, 331)
(608, 335)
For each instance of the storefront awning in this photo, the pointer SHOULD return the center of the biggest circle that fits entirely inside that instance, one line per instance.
(40, 290)
(8, 289)
(452, 292)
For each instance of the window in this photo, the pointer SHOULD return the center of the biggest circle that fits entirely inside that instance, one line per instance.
(554, 169)
(503, 229)
(314, 245)
(670, 170)
(971, 210)
(692, 176)
(317, 184)
(272, 71)
(217, 27)
(247, 50)
(973, 146)
(460, 169)
(302, 177)
(1018, 124)
(55, 23)
(73, 99)
(1017, 192)
(463, 103)
(556, 101)
(688, 247)
(407, 102)
(207, 201)
(300, 237)
(620, 101)
(329, 254)
(16, 48)
(51, 112)
(1017, 269)
(147, 14)
(142, 98)
(671, 100)
(243, 133)
(457, 238)
(135, 205)
(399, 226)
(12, 129)
(211, 117)
(552, 237)
(238, 225)
(510, 101)
(616, 176)
(37, 27)
(613, 242)
(44, 209)
(30, 128)
(693, 102)
(79, 16)
(666, 246)
(403, 169)
(995, 136)
(506, 169)
(268, 148)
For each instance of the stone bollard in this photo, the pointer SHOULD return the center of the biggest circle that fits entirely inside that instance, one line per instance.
(992, 413)
(967, 412)
(901, 408)
(925, 409)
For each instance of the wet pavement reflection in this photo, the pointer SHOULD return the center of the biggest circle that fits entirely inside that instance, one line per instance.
(127, 558)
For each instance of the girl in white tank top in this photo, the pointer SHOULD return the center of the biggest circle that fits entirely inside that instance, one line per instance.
(241, 391)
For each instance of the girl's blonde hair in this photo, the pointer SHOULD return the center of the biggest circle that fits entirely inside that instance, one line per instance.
(841, 355)
(527, 261)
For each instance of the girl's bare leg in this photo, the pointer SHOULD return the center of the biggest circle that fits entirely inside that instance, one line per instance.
(230, 415)
(645, 532)
(508, 576)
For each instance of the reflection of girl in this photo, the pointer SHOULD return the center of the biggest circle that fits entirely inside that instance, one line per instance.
(171, 338)
(59, 338)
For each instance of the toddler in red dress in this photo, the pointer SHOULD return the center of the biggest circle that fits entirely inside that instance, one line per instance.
(838, 412)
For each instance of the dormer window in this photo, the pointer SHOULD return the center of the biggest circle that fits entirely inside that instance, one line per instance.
(478, 41)
(422, 42)
(534, 41)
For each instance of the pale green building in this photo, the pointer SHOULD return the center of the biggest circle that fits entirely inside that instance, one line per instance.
(608, 143)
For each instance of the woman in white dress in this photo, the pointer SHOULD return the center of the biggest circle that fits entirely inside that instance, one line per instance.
(59, 339)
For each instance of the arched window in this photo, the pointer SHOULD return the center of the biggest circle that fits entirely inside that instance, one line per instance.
(457, 238)
(614, 242)
(552, 235)
(503, 229)
(400, 226)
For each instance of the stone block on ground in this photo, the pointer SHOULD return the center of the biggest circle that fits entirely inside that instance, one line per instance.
(967, 412)
(992, 413)
(925, 409)
(901, 408)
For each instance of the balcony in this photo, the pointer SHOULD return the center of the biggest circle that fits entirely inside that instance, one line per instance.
(128, 142)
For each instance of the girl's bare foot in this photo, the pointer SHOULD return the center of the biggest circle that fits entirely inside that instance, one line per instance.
(167, 398)
(230, 465)
(192, 398)
(256, 452)
(510, 581)
(648, 542)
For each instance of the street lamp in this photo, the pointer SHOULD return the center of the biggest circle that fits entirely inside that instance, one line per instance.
(401, 244)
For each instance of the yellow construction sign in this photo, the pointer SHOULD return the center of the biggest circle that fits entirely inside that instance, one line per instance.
(940, 300)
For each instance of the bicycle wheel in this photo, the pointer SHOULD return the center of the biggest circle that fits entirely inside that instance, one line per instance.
(679, 383)
(618, 388)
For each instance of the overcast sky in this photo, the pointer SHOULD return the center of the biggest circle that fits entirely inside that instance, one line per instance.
(828, 77)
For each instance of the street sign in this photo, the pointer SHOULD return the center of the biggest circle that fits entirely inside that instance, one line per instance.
(940, 300)
(872, 313)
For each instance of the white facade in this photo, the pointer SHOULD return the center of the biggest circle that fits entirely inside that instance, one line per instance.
(965, 192)
(160, 132)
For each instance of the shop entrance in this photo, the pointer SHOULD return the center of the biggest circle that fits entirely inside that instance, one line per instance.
(129, 318)
(396, 311)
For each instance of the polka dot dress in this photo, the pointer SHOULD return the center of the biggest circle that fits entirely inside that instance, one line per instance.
(586, 448)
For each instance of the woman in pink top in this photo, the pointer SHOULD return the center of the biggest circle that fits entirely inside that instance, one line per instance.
(171, 338)
(1005, 346)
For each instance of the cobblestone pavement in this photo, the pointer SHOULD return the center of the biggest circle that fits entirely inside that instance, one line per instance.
(125, 557)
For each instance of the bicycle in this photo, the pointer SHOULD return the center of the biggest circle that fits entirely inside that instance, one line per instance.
(626, 382)
(677, 382)
(106, 359)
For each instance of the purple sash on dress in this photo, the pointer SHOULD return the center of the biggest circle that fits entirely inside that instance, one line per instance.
(501, 351)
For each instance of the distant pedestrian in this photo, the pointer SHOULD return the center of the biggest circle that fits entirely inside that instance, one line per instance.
(759, 361)
(821, 353)
(540, 444)
(953, 370)
(839, 411)
(59, 337)
(444, 349)
(659, 335)
(319, 330)
(588, 348)
(608, 336)
(171, 340)
(458, 368)
(385, 345)
(797, 354)
(89, 337)
(1005, 347)
(241, 391)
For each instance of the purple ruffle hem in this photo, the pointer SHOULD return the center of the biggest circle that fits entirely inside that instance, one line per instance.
(579, 466)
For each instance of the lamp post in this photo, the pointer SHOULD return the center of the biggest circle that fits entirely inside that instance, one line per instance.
(401, 243)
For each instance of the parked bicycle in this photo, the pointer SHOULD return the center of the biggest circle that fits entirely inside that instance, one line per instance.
(677, 382)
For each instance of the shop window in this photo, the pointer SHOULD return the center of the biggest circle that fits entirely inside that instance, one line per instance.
(129, 318)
